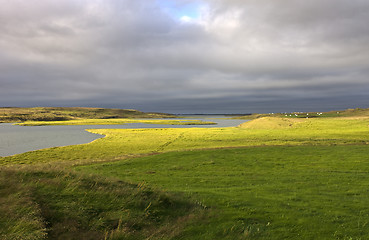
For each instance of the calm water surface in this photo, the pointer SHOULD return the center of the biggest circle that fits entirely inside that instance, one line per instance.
(16, 139)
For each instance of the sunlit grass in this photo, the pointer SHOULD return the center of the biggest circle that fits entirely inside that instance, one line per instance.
(276, 179)
(122, 143)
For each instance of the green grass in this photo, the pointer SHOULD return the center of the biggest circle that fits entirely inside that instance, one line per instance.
(123, 143)
(114, 121)
(270, 178)
(301, 192)
(57, 204)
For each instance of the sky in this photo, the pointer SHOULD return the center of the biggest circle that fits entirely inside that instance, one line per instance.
(185, 56)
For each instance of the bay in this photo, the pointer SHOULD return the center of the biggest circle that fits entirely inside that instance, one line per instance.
(16, 139)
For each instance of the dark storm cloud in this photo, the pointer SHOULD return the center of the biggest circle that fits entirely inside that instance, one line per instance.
(233, 54)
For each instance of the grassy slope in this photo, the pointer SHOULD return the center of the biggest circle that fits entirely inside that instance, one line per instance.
(56, 204)
(317, 159)
(64, 113)
(301, 192)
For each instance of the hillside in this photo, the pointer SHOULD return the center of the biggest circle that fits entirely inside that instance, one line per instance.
(270, 123)
(71, 113)
(357, 112)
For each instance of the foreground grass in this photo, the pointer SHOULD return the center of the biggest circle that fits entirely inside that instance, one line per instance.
(123, 143)
(114, 121)
(301, 192)
(297, 179)
(54, 204)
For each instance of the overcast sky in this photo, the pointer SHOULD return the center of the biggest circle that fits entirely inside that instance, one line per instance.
(191, 56)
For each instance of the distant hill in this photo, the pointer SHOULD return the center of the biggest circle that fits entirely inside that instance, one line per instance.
(352, 112)
(357, 112)
(11, 114)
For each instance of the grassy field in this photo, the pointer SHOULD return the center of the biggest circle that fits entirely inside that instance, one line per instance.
(270, 178)
(56, 204)
(11, 114)
(123, 143)
(301, 192)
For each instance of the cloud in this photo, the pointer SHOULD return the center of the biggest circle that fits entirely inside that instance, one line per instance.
(145, 53)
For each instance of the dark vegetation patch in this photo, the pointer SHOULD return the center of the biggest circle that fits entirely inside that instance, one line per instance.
(53, 204)
(64, 113)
